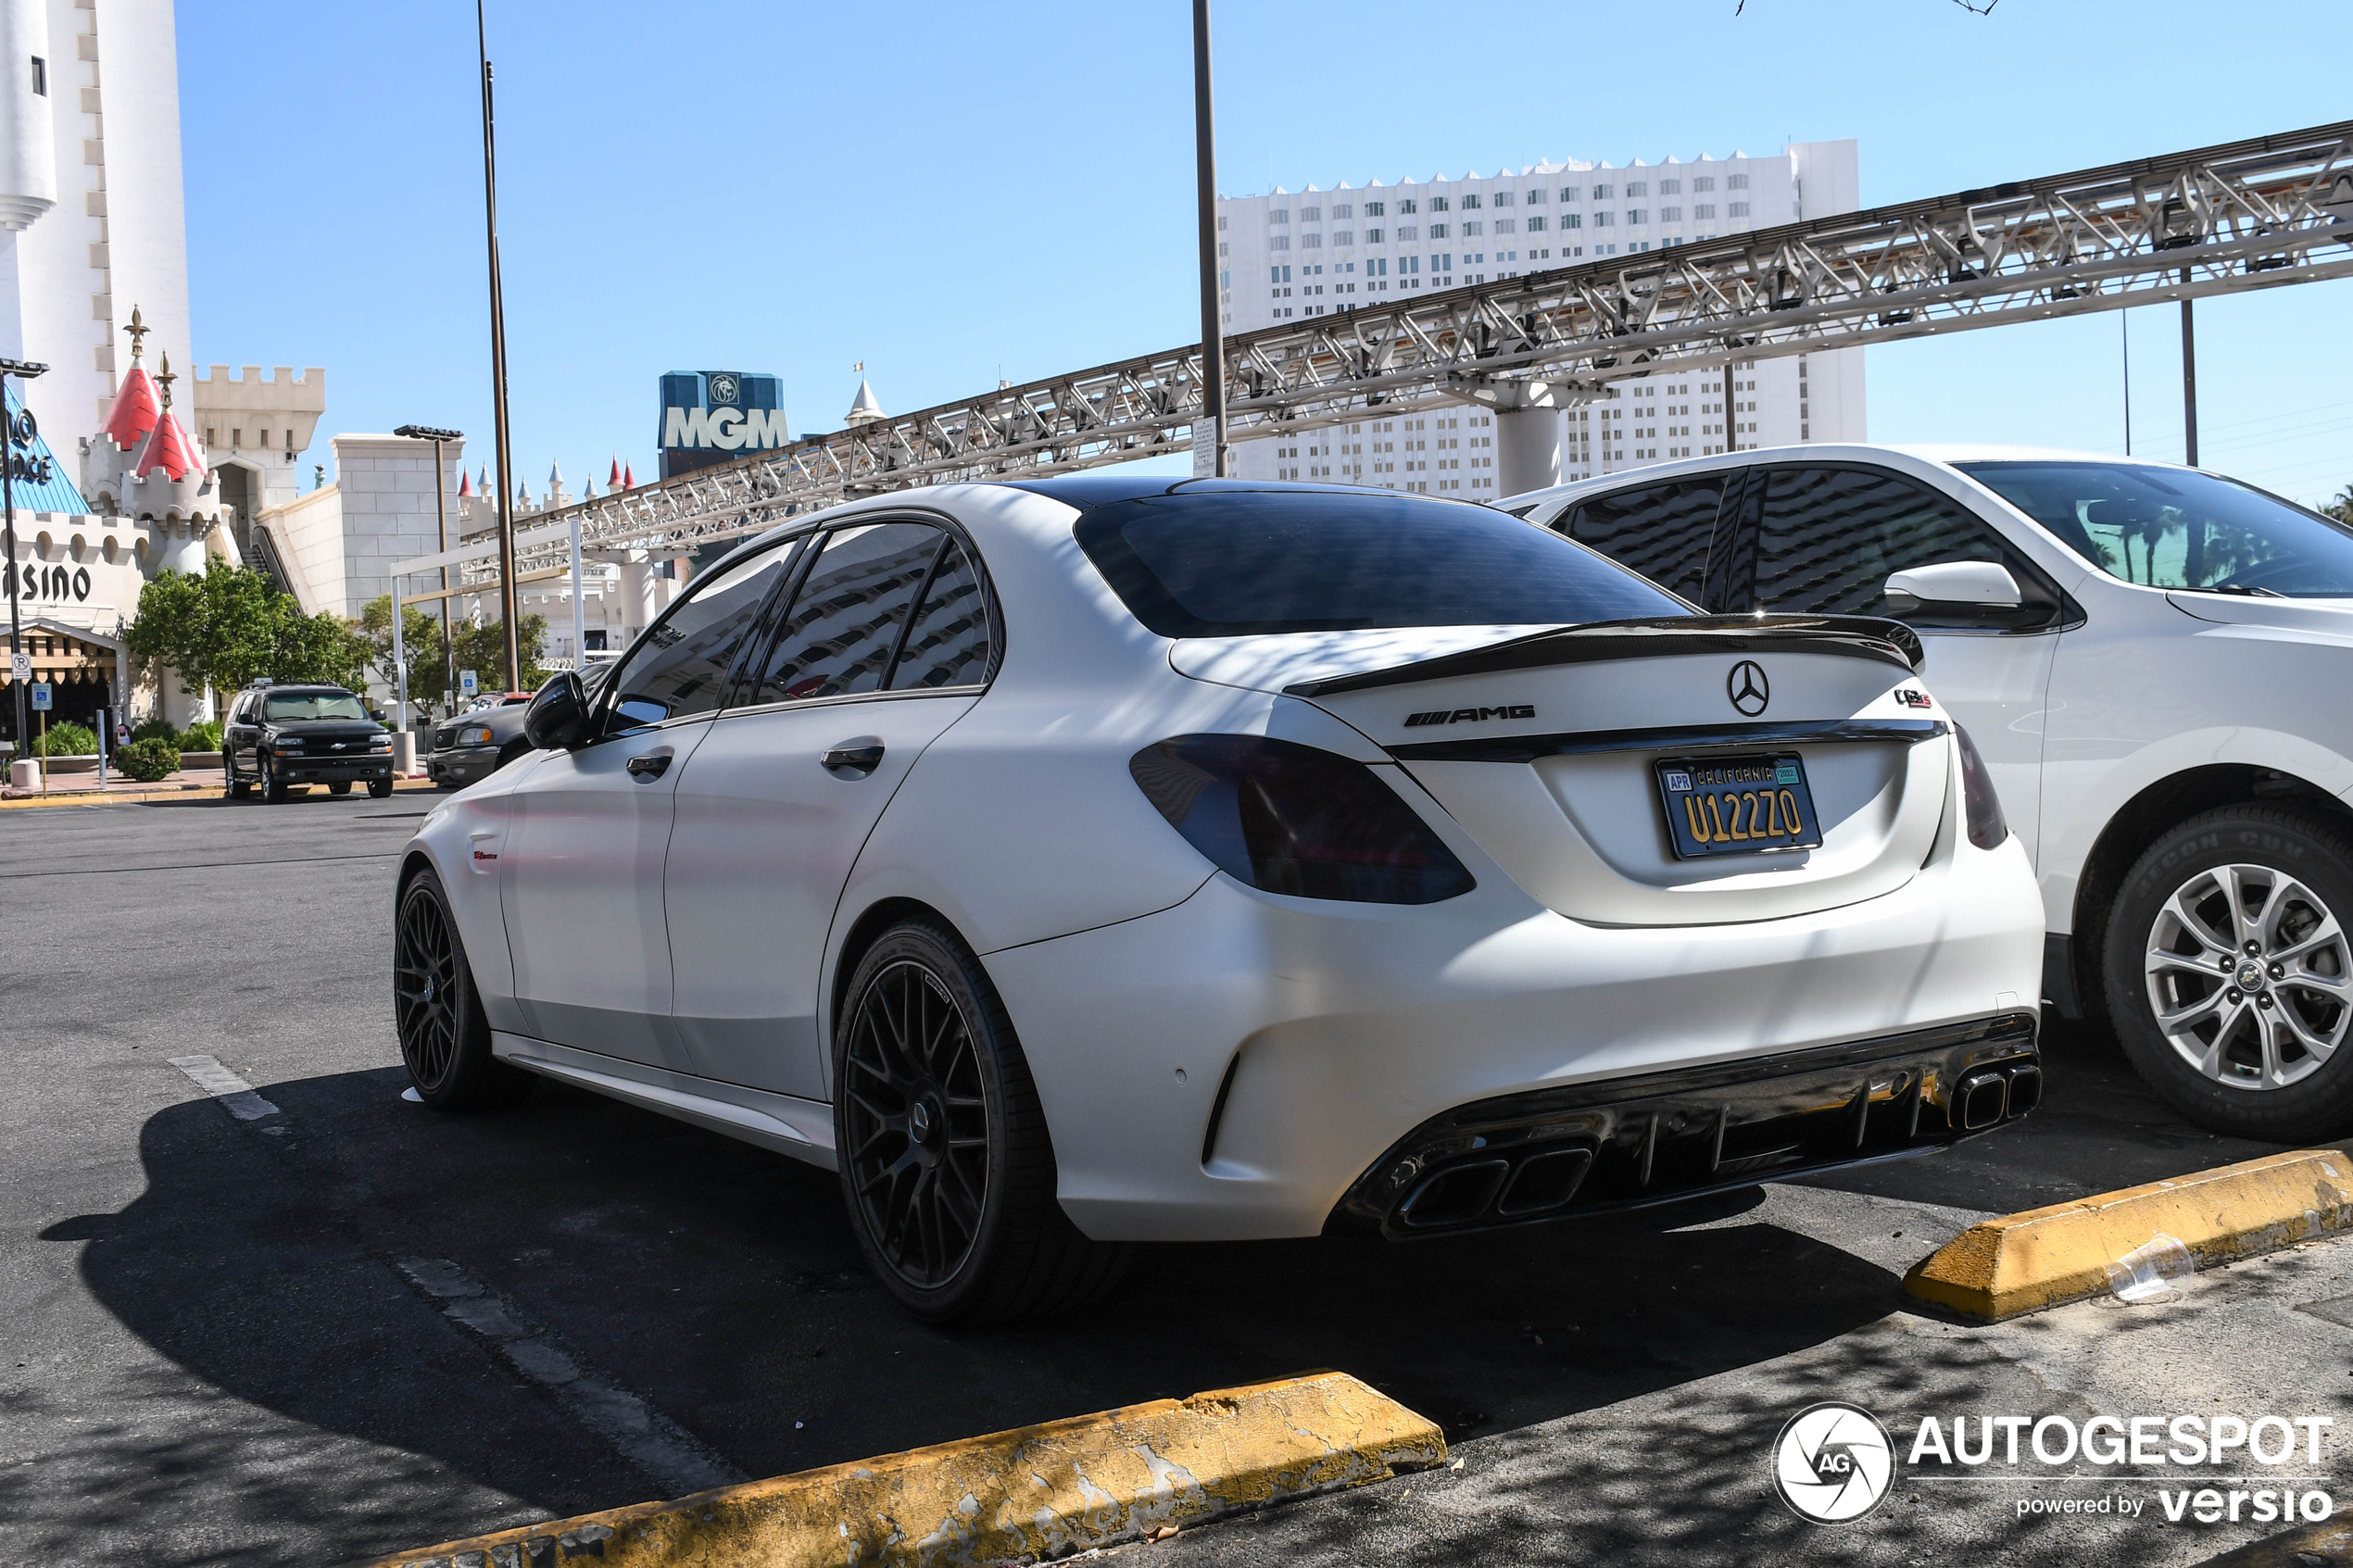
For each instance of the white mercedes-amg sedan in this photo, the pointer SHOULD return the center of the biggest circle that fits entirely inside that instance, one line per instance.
(1095, 860)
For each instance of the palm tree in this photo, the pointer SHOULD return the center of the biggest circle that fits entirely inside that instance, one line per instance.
(2342, 507)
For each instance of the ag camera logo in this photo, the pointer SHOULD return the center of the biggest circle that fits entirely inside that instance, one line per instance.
(1834, 1462)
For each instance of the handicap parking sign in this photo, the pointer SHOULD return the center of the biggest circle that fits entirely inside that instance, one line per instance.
(40, 696)
(467, 685)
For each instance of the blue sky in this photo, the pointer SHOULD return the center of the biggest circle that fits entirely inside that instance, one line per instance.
(950, 196)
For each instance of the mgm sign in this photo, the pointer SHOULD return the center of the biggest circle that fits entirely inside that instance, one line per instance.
(711, 416)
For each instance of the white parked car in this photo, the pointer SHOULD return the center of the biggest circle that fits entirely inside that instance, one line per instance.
(1104, 859)
(2153, 661)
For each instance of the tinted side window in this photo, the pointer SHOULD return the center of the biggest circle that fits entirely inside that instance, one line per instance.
(681, 667)
(1827, 538)
(838, 638)
(1662, 530)
(948, 643)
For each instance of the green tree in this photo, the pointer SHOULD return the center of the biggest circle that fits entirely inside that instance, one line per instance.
(420, 637)
(234, 625)
(482, 649)
(2342, 507)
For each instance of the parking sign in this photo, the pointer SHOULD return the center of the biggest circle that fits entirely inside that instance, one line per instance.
(20, 667)
(467, 685)
(40, 696)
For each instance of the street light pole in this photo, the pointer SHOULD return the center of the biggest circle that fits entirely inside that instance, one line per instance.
(497, 364)
(2189, 381)
(1213, 325)
(24, 371)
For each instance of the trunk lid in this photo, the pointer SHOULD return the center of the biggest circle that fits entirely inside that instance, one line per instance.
(1546, 747)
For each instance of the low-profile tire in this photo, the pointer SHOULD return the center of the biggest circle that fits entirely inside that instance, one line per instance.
(445, 1040)
(378, 789)
(945, 1163)
(274, 788)
(341, 787)
(2229, 971)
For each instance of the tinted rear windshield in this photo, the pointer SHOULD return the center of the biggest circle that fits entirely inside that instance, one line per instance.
(1236, 563)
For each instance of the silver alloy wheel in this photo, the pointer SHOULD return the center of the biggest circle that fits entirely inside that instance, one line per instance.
(2250, 976)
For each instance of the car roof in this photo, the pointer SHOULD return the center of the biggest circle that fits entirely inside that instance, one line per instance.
(1087, 491)
(1948, 454)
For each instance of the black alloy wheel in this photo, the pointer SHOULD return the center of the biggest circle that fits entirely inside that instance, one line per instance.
(945, 1163)
(445, 1038)
(918, 1118)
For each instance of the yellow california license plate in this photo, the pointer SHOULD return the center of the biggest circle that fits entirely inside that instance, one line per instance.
(1747, 805)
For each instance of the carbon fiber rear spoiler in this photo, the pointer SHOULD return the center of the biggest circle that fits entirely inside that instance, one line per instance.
(1854, 636)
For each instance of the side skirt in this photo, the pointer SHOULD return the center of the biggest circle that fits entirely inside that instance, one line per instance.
(784, 1123)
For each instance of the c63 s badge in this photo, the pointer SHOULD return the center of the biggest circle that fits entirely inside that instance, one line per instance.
(1469, 715)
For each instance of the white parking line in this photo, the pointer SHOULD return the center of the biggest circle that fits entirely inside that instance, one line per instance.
(236, 1096)
(657, 1445)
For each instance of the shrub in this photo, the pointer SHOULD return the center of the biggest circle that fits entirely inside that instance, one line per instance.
(201, 737)
(66, 739)
(148, 760)
(154, 729)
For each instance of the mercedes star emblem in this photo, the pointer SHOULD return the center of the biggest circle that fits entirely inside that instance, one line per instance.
(1748, 688)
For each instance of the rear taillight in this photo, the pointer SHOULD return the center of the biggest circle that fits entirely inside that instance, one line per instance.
(1287, 818)
(1987, 827)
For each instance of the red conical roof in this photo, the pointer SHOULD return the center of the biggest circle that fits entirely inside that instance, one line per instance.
(613, 480)
(465, 485)
(135, 408)
(168, 446)
(629, 478)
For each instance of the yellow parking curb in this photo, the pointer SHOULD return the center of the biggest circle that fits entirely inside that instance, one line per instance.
(1041, 1491)
(2022, 1263)
(61, 796)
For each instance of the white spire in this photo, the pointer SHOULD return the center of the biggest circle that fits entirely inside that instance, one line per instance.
(556, 475)
(866, 407)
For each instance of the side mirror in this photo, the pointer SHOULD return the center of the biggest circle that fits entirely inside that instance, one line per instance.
(558, 718)
(1953, 586)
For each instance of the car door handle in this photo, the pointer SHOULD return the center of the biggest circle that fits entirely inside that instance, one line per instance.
(862, 755)
(652, 766)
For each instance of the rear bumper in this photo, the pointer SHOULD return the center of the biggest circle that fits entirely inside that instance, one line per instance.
(1234, 1066)
(1552, 1154)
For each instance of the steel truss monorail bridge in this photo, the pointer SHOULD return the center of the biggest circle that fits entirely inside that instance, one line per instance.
(2247, 215)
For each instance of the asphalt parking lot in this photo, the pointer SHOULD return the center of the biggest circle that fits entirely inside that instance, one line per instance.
(222, 1350)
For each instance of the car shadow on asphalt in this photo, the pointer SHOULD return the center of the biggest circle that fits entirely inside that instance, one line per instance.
(722, 1283)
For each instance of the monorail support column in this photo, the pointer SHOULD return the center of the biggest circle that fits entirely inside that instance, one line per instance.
(1531, 433)
(1527, 449)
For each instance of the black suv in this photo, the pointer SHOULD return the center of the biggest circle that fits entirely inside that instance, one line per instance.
(280, 735)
